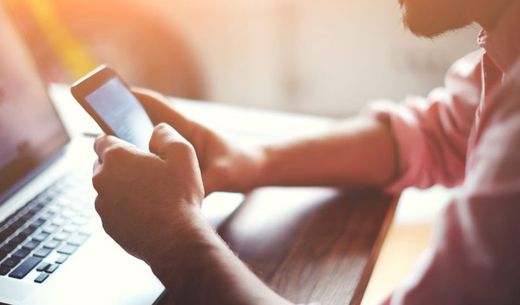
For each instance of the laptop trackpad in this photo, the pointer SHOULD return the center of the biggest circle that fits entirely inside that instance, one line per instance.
(13, 292)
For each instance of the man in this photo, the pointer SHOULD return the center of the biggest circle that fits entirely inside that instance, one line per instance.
(466, 134)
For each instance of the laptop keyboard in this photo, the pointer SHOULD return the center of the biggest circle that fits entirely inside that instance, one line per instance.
(45, 232)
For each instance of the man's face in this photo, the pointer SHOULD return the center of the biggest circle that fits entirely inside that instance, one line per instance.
(430, 18)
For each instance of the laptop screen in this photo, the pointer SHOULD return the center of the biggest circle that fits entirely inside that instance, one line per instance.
(30, 129)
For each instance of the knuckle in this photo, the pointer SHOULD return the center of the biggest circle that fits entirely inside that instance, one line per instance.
(113, 153)
(96, 182)
(98, 141)
(181, 148)
(99, 206)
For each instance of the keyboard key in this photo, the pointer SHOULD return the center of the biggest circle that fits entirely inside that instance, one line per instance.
(18, 239)
(51, 214)
(11, 262)
(31, 244)
(38, 222)
(21, 253)
(4, 222)
(38, 207)
(8, 231)
(50, 229)
(69, 213)
(28, 215)
(54, 208)
(21, 271)
(5, 232)
(59, 221)
(41, 278)
(67, 249)
(89, 228)
(46, 216)
(80, 220)
(16, 225)
(42, 252)
(4, 235)
(29, 230)
(51, 268)
(70, 228)
(62, 202)
(51, 244)
(77, 239)
(42, 266)
(41, 236)
(3, 254)
(33, 227)
(62, 259)
(61, 236)
(4, 270)
(10, 246)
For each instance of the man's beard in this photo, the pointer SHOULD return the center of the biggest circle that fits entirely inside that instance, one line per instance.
(430, 18)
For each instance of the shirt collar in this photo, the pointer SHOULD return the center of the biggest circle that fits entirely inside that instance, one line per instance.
(502, 43)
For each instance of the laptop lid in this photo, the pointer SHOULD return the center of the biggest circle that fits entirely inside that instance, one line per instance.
(31, 132)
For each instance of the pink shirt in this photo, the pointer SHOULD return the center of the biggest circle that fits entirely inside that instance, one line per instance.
(467, 134)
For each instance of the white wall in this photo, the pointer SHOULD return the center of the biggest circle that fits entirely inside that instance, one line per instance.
(325, 57)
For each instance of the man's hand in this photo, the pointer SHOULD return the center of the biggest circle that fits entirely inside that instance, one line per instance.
(225, 166)
(149, 203)
(146, 199)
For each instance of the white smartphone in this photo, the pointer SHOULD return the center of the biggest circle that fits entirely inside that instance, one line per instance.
(108, 99)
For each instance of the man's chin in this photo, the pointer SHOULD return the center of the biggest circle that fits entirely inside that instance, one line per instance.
(421, 29)
(429, 24)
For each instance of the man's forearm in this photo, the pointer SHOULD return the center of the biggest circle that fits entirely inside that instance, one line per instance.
(197, 267)
(359, 152)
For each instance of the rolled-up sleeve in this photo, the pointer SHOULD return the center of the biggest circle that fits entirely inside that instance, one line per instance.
(431, 133)
(475, 256)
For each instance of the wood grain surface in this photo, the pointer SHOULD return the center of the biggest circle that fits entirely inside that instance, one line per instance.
(310, 244)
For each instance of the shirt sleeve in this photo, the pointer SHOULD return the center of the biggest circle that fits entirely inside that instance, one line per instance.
(475, 255)
(431, 133)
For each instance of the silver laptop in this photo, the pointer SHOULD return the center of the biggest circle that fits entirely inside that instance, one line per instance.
(52, 247)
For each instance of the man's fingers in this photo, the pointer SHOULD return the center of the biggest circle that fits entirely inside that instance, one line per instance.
(105, 143)
(167, 142)
(161, 111)
(101, 144)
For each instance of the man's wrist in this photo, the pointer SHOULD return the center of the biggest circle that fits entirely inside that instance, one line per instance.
(181, 244)
(197, 267)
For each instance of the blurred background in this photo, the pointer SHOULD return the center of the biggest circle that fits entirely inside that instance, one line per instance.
(326, 57)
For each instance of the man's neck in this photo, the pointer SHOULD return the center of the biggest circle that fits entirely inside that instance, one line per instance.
(487, 13)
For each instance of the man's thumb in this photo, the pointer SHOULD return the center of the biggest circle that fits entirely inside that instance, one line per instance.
(160, 110)
(166, 142)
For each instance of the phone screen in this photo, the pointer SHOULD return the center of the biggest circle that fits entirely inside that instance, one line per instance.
(122, 112)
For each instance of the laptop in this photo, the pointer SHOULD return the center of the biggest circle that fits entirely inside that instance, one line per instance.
(53, 249)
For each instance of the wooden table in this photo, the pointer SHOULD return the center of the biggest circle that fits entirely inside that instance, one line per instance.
(308, 244)
(311, 244)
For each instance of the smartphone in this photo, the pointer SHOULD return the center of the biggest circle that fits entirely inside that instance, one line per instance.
(109, 101)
